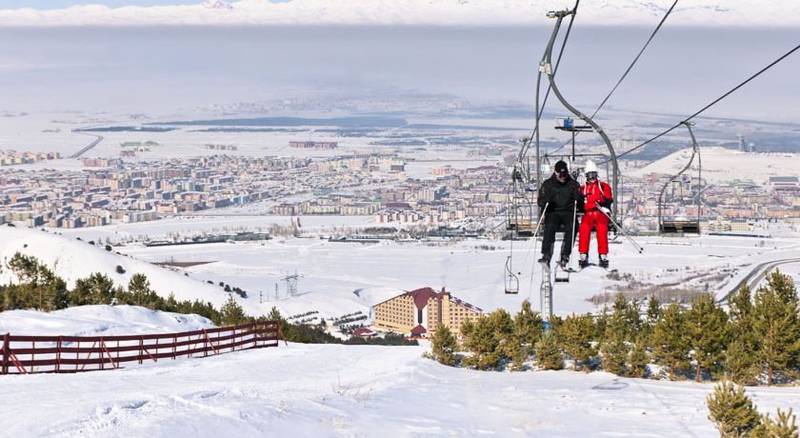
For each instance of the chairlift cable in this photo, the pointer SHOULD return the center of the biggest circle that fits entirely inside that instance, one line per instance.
(714, 102)
(628, 70)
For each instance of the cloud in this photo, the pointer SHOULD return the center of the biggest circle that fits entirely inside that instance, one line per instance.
(782, 13)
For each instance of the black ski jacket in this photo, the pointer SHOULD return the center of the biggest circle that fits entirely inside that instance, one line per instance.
(561, 196)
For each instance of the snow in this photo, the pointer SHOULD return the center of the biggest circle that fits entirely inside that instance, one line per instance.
(336, 391)
(727, 165)
(73, 259)
(412, 12)
(339, 278)
(100, 320)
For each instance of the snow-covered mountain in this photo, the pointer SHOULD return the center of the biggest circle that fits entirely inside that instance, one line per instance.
(784, 13)
(73, 259)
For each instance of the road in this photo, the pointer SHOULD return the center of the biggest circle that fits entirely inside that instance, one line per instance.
(88, 147)
(754, 277)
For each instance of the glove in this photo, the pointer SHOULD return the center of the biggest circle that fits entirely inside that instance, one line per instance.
(604, 210)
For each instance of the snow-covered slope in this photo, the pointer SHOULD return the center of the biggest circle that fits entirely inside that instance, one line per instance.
(347, 391)
(98, 321)
(415, 12)
(72, 259)
(721, 165)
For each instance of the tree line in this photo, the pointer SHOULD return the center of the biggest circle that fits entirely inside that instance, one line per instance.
(755, 340)
(40, 289)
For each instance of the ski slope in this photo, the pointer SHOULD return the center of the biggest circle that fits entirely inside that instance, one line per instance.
(100, 320)
(354, 391)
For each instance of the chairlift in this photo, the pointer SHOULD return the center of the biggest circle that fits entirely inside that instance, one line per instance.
(511, 279)
(681, 226)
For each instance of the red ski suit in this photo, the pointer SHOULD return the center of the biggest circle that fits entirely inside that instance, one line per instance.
(596, 193)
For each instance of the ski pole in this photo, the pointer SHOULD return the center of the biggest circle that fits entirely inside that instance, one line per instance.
(538, 225)
(536, 233)
(622, 230)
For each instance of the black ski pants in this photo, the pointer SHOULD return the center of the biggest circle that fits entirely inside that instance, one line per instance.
(555, 221)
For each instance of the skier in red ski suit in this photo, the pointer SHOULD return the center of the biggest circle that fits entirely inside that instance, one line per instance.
(597, 200)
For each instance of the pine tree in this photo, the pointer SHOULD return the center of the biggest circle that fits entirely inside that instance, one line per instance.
(784, 425)
(637, 359)
(741, 355)
(528, 329)
(274, 314)
(785, 288)
(775, 324)
(670, 340)
(732, 411)
(653, 314)
(444, 346)
(171, 303)
(613, 347)
(708, 334)
(139, 289)
(548, 352)
(96, 289)
(232, 313)
(490, 340)
(614, 353)
(575, 334)
(740, 362)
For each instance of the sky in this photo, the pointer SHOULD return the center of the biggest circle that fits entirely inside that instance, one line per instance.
(57, 4)
(153, 69)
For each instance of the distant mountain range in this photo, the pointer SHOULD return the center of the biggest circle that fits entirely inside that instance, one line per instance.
(772, 13)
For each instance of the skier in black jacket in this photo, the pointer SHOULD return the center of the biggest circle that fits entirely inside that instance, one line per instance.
(562, 196)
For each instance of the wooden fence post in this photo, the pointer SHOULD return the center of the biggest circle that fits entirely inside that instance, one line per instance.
(141, 349)
(205, 343)
(58, 355)
(6, 352)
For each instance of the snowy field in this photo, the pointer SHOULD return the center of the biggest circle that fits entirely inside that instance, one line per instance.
(723, 165)
(98, 321)
(339, 278)
(354, 391)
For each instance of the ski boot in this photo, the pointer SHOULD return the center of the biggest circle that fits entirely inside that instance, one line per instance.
(563, 263)
(603, 261)
(583, 261)
(544, 261)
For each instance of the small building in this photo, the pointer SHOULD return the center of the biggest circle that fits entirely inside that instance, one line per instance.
(419, 312)
(364, 332)
(779, 183)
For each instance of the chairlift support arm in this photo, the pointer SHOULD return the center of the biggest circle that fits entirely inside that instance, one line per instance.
(546, 68)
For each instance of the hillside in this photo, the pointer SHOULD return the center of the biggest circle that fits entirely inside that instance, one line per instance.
(727, 165)
(72, 259)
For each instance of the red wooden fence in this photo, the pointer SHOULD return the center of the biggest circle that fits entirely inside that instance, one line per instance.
(72, 354)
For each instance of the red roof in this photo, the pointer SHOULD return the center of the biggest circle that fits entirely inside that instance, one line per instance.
(418, 331)
(363, 331)
(422, 295)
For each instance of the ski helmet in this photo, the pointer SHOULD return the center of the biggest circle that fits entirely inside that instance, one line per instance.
(590, 166)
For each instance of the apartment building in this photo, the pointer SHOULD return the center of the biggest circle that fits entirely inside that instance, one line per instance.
(419, 312)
